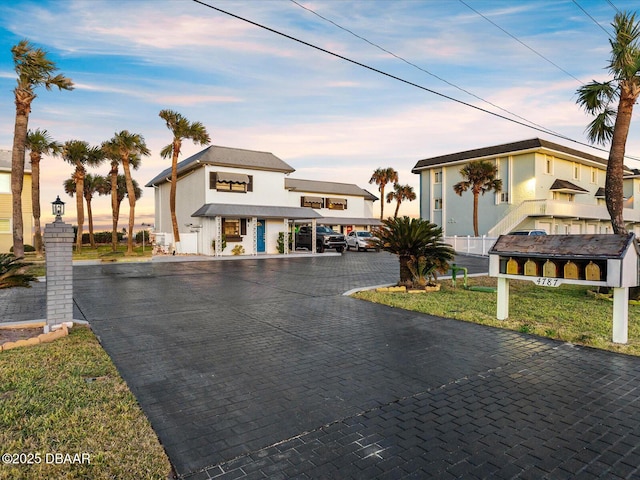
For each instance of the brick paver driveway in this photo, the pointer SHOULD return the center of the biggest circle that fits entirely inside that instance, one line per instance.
(262, 369)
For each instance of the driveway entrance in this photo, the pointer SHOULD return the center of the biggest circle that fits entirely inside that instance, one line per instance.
(261, 368)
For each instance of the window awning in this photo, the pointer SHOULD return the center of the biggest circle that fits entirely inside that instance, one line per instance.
(566, 187)
(338, 201)
(313, 199)
(228, 177)
(600, 193)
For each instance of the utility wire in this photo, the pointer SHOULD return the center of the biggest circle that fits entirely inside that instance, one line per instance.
(422, 69)
(594, 20)
(613, 6)
(394, 77)
(520, 41)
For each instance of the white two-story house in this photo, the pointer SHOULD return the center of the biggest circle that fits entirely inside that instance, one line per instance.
(544, 186)
(248, 197)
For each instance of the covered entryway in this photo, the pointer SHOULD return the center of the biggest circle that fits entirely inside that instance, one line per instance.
(260, 235)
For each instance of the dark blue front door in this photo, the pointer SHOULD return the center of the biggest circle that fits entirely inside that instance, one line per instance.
(260, 235)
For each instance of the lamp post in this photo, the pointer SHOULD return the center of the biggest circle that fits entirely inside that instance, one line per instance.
(57, 209)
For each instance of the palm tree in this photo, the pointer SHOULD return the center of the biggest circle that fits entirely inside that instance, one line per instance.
(39, 143)
(411, 238)
(121, 192)
(112, 154)
(611, 124)
(80, 154)
(480, 177)
(181, 129)
(129, 147)
(34, 69)
(400, 193)
(92, 184)
(381, 177)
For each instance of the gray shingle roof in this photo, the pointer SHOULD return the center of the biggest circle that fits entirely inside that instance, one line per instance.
(335, 188)
(227, 157)
(504, 149)
(567, 186)
(248, 211)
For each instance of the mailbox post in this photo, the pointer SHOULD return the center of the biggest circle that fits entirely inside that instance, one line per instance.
(551, 260)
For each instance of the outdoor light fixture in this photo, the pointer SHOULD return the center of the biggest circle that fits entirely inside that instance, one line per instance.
(57, 208)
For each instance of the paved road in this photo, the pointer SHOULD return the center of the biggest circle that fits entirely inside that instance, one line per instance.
(262, 369)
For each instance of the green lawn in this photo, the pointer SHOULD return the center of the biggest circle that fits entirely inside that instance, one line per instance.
(567, 313)
(66, 397)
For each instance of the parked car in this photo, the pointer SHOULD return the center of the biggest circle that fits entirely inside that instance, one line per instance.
(361, 240)
(325, 238)
(528, 232)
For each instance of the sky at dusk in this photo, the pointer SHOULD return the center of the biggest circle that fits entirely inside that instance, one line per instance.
(328, 118)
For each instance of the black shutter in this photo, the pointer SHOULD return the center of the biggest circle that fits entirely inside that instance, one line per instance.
(250, 184)
(212, 180)
(243, 226)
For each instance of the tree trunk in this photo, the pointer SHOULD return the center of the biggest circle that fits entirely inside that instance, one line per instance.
(172, 191)
(79, 179)
(131, 193)
(405, 273)
(475, 213)
(398, 201)
(115, 207)
(381, 201)
(613, 187)
(90, 218)
(23, 107)
(35, 200)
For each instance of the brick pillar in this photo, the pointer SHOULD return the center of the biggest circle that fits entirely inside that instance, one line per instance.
(58, 242)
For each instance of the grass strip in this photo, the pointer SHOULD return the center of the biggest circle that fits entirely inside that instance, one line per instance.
(64, 403)
(568, 313)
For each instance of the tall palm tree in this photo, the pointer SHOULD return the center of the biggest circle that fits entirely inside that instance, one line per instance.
(111, 152)
(480, 177)
(400, 193)
(39, 143)
(34, 69)
(412, 238)
(130, 148)
(92, 184)
(121, 191)
(381, 177)
(611, 124)
(181, 128)
(81, 155)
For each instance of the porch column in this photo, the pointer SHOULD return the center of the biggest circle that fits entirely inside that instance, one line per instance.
(254, 228)
(313, 236)
(285, 238)
(218, 237)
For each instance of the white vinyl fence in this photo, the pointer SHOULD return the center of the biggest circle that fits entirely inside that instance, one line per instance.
(471, 245)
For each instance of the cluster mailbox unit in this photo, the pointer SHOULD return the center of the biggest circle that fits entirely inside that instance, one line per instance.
(551, 260)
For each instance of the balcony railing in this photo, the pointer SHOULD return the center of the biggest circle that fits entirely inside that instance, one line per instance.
(558, 209)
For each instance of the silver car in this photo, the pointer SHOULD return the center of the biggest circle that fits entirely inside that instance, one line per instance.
(361, 240)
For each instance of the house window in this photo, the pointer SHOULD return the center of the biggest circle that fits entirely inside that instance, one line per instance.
(5, 225)
(549, 165)
(312, 202)
(5, 183)
(336, 203)
(230, 182)
(594, 175)
(504, 197)
(437, 176)
(234, 228)
(437, 204)
(576, 171)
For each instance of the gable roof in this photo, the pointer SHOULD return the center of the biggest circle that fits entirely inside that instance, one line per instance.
(566, 186)
(226, 157)
(335, 188)
(522, 146)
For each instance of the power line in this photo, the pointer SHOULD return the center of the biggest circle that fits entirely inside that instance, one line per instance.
(520, 41)
(613, 6)
(394, 77)
(594, 20)
(420, 68)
